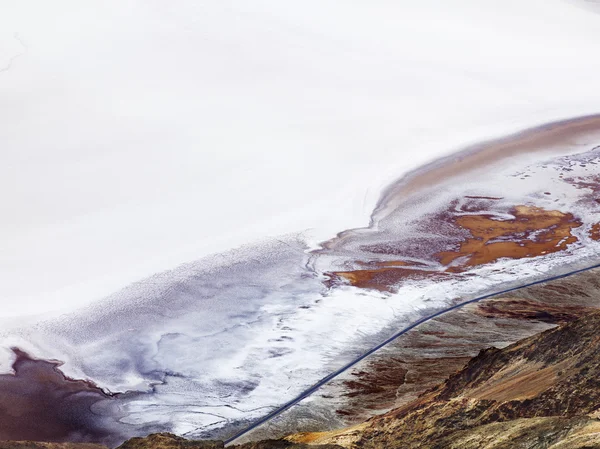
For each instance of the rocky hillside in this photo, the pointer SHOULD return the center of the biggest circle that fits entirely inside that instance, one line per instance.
(427, 355)
(166, 441)
(541, 392)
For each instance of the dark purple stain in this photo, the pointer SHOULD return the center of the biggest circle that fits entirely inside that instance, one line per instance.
(38, 402)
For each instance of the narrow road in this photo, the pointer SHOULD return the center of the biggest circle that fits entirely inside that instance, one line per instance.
(363, 356)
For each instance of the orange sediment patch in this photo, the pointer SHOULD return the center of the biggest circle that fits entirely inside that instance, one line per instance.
(345, 437)
(306, 437)
(595, 232)
(382, 278)
(533, 232)
(380, 275)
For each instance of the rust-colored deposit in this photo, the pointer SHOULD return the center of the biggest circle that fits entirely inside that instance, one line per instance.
(384, 277)
(532, 232)
(595, 232)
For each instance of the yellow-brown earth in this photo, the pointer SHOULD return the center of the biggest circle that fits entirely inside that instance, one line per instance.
(532, 232)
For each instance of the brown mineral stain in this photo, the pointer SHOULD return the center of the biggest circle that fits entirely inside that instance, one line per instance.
(382, 278)
(595, 232)
(478, 197)
(38, 402)
(591, 182)
(532, 232)
(523, 309)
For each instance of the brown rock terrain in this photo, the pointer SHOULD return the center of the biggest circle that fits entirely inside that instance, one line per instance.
(541, 392)
(43, 445)
(166, 441)
(169, 441)
(430, 353)
(427, 355)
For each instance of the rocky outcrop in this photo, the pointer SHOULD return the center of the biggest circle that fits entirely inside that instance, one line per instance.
(541, 392)
(430, 353)
(530, 433)
(166, 441)
(41, 445)
(169, 441)
(284, 444)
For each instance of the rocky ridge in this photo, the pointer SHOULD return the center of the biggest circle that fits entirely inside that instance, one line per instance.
(166, 441)
(541, 392)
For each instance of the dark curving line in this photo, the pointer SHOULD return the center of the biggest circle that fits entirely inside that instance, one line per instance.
(363, 356)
